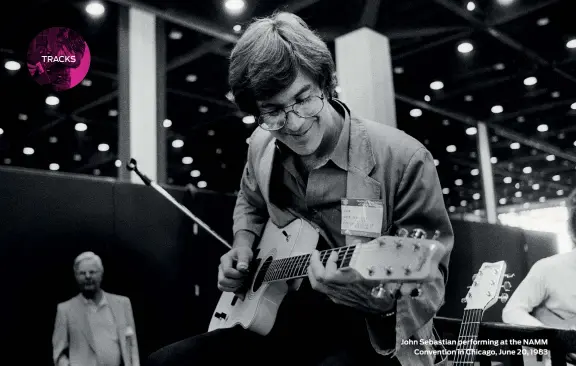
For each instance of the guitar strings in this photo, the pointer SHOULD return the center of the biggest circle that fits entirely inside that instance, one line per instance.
(469, 329)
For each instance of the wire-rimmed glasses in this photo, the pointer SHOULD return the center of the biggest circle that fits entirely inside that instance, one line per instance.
(276, 120)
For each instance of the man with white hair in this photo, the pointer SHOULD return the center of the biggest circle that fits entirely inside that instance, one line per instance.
(94, 328)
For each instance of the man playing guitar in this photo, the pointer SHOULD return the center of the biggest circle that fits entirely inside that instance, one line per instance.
(313, 159)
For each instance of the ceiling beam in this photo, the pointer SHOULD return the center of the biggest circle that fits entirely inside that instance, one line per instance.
(502, 37)
(184, 20)
(370, 12)
(524, 112)
(204, 98)
(510, 16)
(431, 45)
(498, 130)
(196, 53)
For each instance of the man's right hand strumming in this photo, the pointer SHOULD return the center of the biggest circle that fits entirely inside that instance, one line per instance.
(234, 265)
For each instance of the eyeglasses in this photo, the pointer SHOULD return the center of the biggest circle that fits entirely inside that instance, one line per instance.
(276, 120)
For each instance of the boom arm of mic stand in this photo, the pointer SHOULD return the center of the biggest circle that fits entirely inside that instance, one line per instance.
(132, 166)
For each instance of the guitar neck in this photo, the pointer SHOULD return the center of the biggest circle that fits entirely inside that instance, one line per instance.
(297, 266)
(466, 349)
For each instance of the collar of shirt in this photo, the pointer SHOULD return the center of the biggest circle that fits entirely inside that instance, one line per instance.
(340, 154)
(103, 301)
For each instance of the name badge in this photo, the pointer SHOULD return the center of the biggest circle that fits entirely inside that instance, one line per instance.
(362, 217)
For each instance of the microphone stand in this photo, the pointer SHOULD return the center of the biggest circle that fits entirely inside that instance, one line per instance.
(133, 167)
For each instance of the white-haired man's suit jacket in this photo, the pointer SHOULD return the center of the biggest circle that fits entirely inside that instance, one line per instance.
(73, 341)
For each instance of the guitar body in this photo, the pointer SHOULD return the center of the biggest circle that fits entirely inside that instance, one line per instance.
(257, 312)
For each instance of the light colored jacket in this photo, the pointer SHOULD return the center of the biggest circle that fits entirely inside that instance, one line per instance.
(384, 164)
(72, 340)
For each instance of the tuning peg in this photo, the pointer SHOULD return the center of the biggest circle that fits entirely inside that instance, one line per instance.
(416, 292)
(507, 286)
(402, 232)
(418, 234)
(504, 297)
(436, 235)
(379, 292)
(509, 275)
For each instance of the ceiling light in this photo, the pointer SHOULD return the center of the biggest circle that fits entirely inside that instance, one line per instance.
(191, 78)
(476, 196)
(86, 82)
(471, 131)
(202, 184)
(103, 147)
(230, 96)
(527, 170)
(446, 190)
(52, 100)
(28, 151)
(542, 128)
(427, 98)
(526, 205)
(574, 143)
(167, 123)
(458, 182)
(465, 47)
(499, 66)
(237, 28)
(80, 127)
(248, 119)
(187, 160)
(573, 106)
(436, 162)
(436, 85)
(234, 6)
(211, 133)
(542, 199)
(415, 112)
(1, 131)
(494, 160)
(398, 70)
(446, 122)
(54, 166)
(451, 208)
(571, 43)
(195, 173)
(22, 117)
(203, 109)
(177, 143)
(96, 172)
(118, 163)
(112, 113)
(559, 192)
(463, 203)
(555, 94)
(497, 109)
(515, 146)
(77, 157)
(536, 186)
(470, 6)
(530, 81)
(451, 148)
(521, 119)
(505, 2)
(517, 185)
(53, 139)
(12, 65)
(7, 161)
(175, 35)
(468, 98)
(556, 178)
(474, 172)
(550, 158)
(518, 194)
(508, 180)
(218, 151)
(502, 201)
(95, 9)
(543, 21)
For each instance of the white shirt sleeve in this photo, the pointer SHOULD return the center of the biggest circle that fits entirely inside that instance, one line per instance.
(530, 293)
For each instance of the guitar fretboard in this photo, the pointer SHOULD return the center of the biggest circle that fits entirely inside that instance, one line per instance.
(466, 349)
(296, 267)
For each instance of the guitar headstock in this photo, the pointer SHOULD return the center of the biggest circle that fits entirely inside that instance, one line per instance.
(486, 285)
(398, 259)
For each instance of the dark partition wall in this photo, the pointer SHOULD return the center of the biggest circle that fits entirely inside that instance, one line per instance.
(153, 255)
(539, 245)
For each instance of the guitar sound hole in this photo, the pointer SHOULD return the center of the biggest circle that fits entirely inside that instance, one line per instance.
(259, 278)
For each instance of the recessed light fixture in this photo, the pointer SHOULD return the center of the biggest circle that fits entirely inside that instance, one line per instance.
(12, 65)
(95, 9)
(451, 148)
(471, 6)
(248, 120)
(529, 81)
(436, 85)
(542, 128)
(465, 47)
(103, 147)
(175, 35)
(416, 112)
(177, 143)
(471, 131)
(497, 109)
(515, 146)
(54, 166)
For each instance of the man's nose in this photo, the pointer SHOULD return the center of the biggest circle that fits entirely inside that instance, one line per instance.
(293, 122)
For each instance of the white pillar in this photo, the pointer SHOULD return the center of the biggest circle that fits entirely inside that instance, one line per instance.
(138, 124)
(364, 71)
(487, 175)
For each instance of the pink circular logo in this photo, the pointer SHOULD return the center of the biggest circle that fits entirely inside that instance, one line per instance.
(58, 58)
